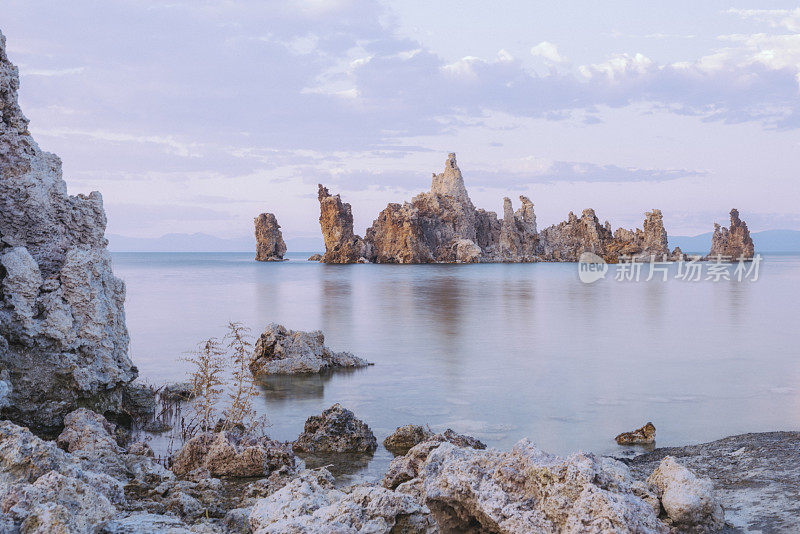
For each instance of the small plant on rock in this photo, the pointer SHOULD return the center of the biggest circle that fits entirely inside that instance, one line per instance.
(208, 379)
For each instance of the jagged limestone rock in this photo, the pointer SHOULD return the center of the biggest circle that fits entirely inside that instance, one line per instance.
(732, 243)
(63, 339)
(280, 351)
(269, 240)
(335, 430)
(336, 221)
(640, 436)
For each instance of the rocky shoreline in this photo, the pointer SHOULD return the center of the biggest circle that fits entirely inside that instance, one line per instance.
(65, 373)
(96, 478)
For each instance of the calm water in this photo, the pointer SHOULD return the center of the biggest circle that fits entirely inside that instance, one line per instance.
(498, 351)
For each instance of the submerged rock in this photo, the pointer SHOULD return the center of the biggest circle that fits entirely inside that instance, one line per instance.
(310, 503)
(229, 454)
(63, 339)
(282, 351)
(178, 391)
(336, 221)
(404, 437)
(640, 436)
(730, 244)
(139, 400)
(269, 240)
(335, 430)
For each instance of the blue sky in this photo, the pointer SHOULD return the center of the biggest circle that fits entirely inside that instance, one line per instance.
(196, 116)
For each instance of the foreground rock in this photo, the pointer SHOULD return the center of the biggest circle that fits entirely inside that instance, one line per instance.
(335, 430)
(730, 244)
(640, 436)
(688, 501)
(269, 240)
(755, 478)
(63, 340)
(336, 221)
(230, 454)
(282, 351)
(311, 504)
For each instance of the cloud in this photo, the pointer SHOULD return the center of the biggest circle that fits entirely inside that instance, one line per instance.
(785, 18)
(548, 51)
(528, 171)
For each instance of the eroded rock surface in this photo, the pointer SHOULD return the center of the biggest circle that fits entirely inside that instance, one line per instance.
(755, 477)
(335, 430)
(269, 240)
(443, 226)
(689, 501)
(336, 221)
(311, 504)
(282, 351)
(640, 436)
(528, 490)
(404, 437)
(229, 454)
(731, 243)
(63, 340)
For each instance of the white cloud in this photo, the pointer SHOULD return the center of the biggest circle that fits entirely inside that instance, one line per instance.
(25, 71)
(618, 66)
(548, 51)
(784, 18)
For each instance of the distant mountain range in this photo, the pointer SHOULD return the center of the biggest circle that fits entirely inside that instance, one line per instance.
(766, 241)
(204, 243)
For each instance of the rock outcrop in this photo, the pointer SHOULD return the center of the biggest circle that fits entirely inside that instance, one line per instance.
(63, 339)
(731, 244)
(640, 436)
(269, 240)
(336, 221)
(310, 503)
(688, 501)
(755, 478)
(443, 226)
(230, 454)
(282, 351)
(335, 430)
(528, 490)
(567, 240)
(404, 437)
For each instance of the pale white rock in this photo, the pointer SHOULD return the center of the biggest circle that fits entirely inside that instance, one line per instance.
(232, 455)
(528, 490)
(57, 503)
(87, 431)
(145, 523)
(689, 501)
(63, 338)
(311, 504)
(279, 350)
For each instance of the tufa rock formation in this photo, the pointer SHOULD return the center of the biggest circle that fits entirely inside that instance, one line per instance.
(335, 430)
(336, 220)
(280, 351)
(63, 340)
(640, 436)
(269, 240)
(731, 243)
(443, 226)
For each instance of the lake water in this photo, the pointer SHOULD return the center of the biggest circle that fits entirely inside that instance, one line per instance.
(497, 351)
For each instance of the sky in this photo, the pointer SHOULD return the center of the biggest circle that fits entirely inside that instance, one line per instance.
(196, 116)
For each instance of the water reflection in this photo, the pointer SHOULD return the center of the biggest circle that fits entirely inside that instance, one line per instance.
(278, 389)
